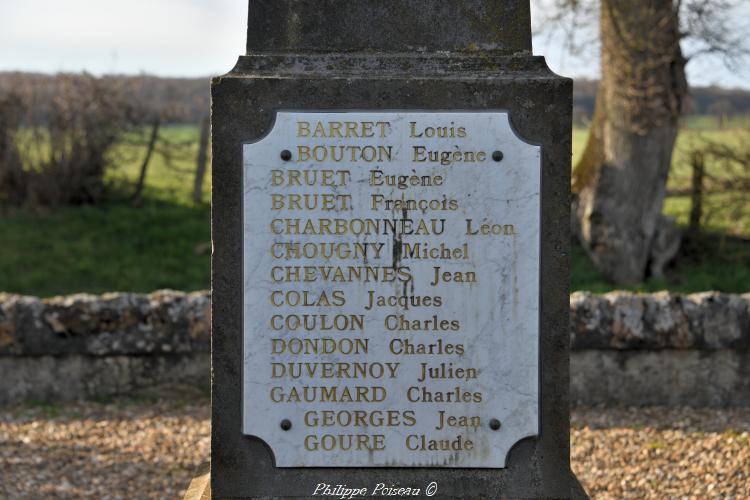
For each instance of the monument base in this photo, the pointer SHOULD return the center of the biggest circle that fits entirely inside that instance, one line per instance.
(576, 488)
(200, 486)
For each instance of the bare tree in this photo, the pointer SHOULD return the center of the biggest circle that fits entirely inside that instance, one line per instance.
(60, 155)
(725, 191)
(148, 127)
(12, 177)
(202, 160)
(621, 178)
(150, 146)
(60, 135)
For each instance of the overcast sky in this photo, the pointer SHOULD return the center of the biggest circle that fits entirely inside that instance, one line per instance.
(190, 38)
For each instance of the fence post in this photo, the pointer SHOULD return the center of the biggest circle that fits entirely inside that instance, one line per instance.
(200, 170)
(696, 192)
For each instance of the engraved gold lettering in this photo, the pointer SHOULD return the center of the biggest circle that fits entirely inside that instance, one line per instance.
(379, 178)
(358, 227)
(423, 250)
(445, 371)
(452, 277)
(306, 298)
(314, 322)
(409, 347)
(399, 322)
(338, 154)
(441, 132)
(310, 177)
(402, 301)
(490, 229)
(420, 154)
(328, 394)
(375, 370)
(359, 418)
(345, 442)
(294, 250)
(420, 442)
(319, 346)
(303, 129)
(461, 421)
(339, 274)
(458, 395)
(380, 202)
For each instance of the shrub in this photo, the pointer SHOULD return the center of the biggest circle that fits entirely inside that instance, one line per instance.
(60, 156)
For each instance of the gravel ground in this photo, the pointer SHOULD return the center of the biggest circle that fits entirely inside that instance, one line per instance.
(123, 450)
(147, 449)
(662, 452)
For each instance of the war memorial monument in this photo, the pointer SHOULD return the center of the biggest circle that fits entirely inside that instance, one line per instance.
(390, 267)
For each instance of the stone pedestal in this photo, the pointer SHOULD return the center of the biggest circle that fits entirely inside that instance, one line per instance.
(200, 486)
(429, 55)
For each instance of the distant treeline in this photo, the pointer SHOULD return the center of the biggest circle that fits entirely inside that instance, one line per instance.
(703, 100)
(183, 100)
(187, 99)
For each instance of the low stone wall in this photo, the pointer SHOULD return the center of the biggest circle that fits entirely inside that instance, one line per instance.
(660, 349)
(627, 349)
(88, 347)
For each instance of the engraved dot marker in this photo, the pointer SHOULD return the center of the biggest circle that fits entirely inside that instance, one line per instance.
(286, 155)
(494, 424)
(498, 156)
(286, 424)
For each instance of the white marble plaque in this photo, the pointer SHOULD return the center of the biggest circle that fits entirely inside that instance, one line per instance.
(391, 289)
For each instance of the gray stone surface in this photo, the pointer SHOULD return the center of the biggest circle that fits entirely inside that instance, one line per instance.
(660, 349)
(668, 377)
(620, 320)
(400, 26)
(298, 70)
(677, 349)
(74, 377)
(85, 346)
(164, 322)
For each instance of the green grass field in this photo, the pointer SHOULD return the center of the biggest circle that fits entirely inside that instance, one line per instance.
(165, 243)
(721, 260)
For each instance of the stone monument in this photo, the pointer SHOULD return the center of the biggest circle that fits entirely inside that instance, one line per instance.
(390, 255)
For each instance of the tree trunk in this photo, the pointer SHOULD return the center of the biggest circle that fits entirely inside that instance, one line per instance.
(137, 195)
(621, 178)
(200, 168)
